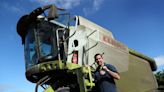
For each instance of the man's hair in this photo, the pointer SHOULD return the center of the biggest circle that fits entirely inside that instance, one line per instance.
(97, 55)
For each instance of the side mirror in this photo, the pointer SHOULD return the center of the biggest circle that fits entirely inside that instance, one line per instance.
(52, 13)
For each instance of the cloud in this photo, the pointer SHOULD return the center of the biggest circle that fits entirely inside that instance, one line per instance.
(87, 6)
(160, 68)
(10, 88)
(5, 87)
(16, 9)
(12, 8)
(96, 5)
(67, 4)
(159, 60)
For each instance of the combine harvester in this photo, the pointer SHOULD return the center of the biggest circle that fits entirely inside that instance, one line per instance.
(58, 47)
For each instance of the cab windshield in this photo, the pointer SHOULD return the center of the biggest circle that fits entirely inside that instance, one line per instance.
(30, 49)
(41, 44)
(63, 19)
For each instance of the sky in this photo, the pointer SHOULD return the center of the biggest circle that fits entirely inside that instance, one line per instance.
(139, 24)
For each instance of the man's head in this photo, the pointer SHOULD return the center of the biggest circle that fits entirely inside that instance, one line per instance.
(99, 59)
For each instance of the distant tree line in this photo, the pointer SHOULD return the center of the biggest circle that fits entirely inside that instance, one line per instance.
(160, 79)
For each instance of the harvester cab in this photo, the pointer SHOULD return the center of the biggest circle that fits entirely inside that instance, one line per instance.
(45, 39)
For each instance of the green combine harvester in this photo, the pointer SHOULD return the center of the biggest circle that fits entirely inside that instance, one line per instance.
(58, 47)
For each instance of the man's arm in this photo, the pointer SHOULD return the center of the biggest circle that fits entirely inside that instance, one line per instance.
(113, 74)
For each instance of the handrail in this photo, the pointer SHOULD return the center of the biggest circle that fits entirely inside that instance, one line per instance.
(75, 29)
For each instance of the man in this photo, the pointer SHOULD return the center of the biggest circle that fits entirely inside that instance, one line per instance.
(105, 75)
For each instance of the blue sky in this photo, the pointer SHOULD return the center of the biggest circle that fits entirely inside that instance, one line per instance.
(137, 23)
